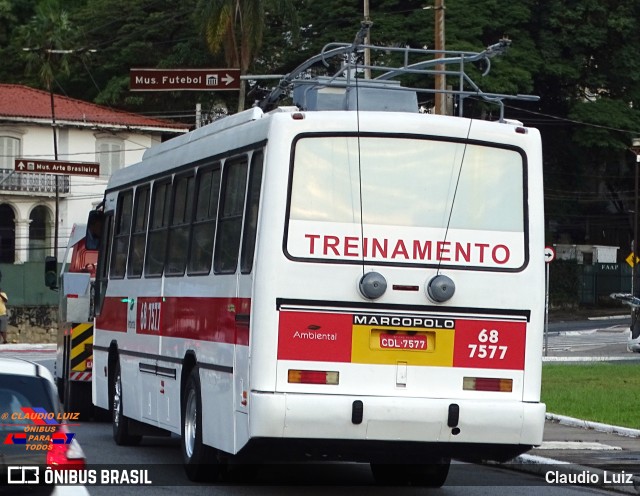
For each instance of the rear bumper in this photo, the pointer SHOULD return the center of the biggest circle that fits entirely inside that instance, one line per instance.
(499, 429)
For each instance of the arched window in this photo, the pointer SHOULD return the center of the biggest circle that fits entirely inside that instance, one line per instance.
(7, 235)
(39, 234)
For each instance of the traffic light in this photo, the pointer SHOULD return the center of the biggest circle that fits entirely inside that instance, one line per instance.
(51, 272)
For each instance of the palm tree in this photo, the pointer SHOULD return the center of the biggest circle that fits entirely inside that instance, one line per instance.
(45, 39)
(237, 28)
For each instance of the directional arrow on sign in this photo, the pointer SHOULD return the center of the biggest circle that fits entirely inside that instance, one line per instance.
(228, 79)
(549, 254)
(21, 166)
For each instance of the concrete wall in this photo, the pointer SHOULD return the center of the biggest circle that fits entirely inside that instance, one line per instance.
(32, 324)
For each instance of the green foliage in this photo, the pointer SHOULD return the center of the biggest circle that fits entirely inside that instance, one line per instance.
(45, 37)
(564, 283)
(601, 112)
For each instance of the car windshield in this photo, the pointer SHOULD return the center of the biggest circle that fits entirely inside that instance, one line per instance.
(22, 395)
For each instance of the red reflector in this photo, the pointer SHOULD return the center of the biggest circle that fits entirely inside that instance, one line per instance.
(297, 116)
(72, 296)
(521, 130)
(313, 377)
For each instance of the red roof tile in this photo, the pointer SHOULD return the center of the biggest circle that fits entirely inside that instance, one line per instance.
(22, 102)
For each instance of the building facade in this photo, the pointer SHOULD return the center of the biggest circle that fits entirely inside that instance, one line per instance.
(84, 132)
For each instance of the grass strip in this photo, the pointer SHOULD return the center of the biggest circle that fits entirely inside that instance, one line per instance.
(601, 392)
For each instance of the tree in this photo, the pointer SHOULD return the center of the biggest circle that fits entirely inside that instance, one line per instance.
(237, 28)
(46, 37)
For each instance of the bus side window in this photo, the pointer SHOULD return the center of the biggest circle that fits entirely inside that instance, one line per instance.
(234, 185)
(204, 222)
(104, 255)
(251, 213)
(138, 231)
(182, 212)
(121, 238)
(158, 224)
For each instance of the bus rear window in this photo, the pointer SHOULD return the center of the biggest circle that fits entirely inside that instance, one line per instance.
(389, 199)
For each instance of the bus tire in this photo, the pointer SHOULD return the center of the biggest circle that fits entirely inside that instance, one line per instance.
(419, 474)
(120, 423)
(200, 461)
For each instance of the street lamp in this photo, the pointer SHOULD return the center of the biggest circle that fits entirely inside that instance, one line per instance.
(635, 148)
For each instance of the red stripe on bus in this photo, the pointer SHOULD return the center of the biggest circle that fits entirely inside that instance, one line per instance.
(113, 315)
(204, 319)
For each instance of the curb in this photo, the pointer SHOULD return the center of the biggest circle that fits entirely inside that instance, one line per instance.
(27, 347)
(596, 426)
(609, 317)
(590, 359)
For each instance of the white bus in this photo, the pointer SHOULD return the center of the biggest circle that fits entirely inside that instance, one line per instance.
(343, 279)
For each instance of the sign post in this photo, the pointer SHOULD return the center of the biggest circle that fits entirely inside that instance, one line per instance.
(549, 256)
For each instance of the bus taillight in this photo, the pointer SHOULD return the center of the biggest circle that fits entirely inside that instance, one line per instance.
(487, 384)
(314, 377)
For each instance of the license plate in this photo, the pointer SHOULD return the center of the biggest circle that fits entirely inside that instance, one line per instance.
(403, 342)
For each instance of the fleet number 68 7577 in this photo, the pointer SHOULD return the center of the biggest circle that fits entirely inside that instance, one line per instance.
(483, 350)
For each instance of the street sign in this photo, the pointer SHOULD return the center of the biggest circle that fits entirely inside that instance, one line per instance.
(56, 167)
(549, 254)
(184, 79)
(630, 258)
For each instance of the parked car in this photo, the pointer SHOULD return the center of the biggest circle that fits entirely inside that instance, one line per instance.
(30, 386)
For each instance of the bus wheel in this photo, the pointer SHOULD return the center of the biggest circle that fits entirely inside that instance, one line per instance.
(120, 423)
(420, 474)
(200, 461)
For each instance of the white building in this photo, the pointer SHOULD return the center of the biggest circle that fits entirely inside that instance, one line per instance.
(85, 133)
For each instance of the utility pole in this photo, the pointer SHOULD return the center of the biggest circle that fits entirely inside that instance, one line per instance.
(55, 156)
(441, 81)
(367, 41)
(55, 134)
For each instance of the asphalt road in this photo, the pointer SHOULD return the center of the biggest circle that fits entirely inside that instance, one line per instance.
(345, 479)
